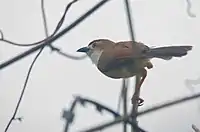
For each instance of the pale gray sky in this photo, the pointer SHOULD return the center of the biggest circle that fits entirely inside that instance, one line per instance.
(55, 79)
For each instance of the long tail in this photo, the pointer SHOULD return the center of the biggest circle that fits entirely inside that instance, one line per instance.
(167, 53)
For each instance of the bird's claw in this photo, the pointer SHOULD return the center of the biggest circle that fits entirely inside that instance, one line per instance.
(139, 100)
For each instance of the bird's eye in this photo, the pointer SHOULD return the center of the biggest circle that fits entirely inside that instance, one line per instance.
(94, 45)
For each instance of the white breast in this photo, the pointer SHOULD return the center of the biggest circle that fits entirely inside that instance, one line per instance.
(95, 56)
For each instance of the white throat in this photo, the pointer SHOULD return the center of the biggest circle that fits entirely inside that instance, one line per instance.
(95, 56)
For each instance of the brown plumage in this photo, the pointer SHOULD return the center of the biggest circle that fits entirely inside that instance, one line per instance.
(122, 60)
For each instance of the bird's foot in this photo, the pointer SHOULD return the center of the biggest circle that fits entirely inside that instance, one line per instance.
(139, 100)
(149, 65)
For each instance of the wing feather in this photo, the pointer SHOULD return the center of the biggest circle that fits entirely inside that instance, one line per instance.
(120, 55)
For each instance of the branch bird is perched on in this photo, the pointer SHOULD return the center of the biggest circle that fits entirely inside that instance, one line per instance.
(123, 60)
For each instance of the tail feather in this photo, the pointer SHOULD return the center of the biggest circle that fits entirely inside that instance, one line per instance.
(167, 53)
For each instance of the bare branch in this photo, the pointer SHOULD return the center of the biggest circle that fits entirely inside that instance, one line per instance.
(29, 71)
(189, 6)
(54, 38)
(195, 128)
(53, 48)
(113, 122)
(168, 104)
(22, 92)
(1, 34)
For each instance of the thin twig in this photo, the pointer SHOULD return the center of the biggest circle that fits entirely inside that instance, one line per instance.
(69, 114)
(30, 68)
(69, 120)
(2, 37)
(41, 41)
(121, 94)
(137, 92)
(168, 104)
(189, 84)
(189, 6)
(44, 19)
(53, 48)
(22, 93)
(120, 97)
(124, 97)
(195, 128)
(111, 123)
(24, 87)
(144, 112)
(130, 21)
(135, 102)
(54, 38)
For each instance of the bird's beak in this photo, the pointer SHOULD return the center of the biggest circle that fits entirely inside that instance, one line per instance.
(83, 49)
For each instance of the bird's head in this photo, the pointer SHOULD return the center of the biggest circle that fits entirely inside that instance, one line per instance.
(95, 49)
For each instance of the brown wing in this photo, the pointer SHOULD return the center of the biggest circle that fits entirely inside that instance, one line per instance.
(123, 50)
(126, 49)
(121, 54)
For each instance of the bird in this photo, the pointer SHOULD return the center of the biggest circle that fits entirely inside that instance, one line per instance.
(125, 59)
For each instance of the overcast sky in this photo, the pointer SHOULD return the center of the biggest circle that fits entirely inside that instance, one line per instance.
(55, 79)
